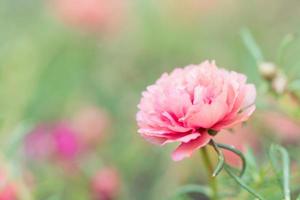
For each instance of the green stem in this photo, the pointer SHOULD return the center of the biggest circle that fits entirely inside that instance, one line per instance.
(241, 183)
(209, 167)
(238, 153)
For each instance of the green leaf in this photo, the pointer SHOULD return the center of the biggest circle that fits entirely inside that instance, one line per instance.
(251, 45)
(281, 165)
(184, 190)
(221, 159)
(242, 183)
(250, 158)
(252, 165)
(285, 43)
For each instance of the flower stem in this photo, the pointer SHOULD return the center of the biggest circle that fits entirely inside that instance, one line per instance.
(209, 167)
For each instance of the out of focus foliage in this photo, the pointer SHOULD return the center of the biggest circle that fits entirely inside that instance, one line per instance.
(51, 70)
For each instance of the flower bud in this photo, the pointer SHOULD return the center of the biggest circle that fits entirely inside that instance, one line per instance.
(279, 83)
(267, 70)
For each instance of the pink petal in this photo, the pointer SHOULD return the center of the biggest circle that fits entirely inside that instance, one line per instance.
(169, 137)
(186, 149)
(184, 139)
(250, 96)
(174, 124)
(206, 115)
(153, 131)
(154, 139)
(238, 119)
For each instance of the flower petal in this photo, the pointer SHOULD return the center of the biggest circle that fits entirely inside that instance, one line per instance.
(238, 119)
(186, 149)
(184, 139)
(206, 115)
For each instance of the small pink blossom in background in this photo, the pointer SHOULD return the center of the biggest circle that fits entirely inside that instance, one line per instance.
(66, 141)
(284, 127)
(39, 144)
(91, 15)
(241, 137)
(106, 184)
(92, 124)
(56, 140)
(184, 105)
(8, 190)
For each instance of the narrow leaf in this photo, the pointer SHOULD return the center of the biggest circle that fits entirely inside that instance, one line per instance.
(251, 45)
(241, 183)
(221, 159)
(282, 169)
(251, 164)
(285, 43)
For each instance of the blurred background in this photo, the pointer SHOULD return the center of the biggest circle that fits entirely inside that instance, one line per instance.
(72, 73)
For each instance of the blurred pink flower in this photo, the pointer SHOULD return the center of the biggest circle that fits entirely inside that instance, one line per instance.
(39, 143)
(91, 124)
(286, 128)
(91, 15)
(106, 184)
(191, 103)
(7, 189)
(48, 141)
(66, 141)
(241, 137)
(8, 192)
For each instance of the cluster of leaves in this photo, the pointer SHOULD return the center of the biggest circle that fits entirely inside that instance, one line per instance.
(272, 180)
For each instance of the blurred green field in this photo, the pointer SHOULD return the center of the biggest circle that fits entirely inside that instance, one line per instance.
(49, 70)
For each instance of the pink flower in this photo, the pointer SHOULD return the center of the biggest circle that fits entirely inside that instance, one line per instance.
(8, 192)
(39, 143)
(91, 124)
(56, 140)
(106, 184)
(7, 189)
(91, 15)
(66, 141)
(191, 103)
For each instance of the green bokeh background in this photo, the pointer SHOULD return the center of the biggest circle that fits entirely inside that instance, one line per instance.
(49, 69)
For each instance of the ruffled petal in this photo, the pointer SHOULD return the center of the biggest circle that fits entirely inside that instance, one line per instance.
(238, 119)
(184, 139)
(206, 115)
(186, 149)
